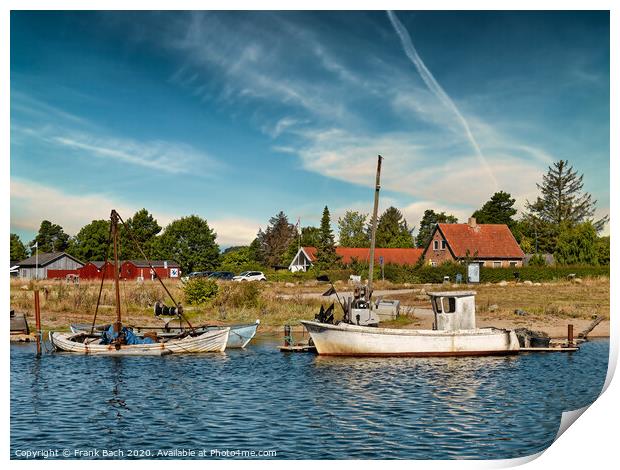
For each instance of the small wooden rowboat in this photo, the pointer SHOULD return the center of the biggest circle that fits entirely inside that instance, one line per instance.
(208, 341)
(239, 337)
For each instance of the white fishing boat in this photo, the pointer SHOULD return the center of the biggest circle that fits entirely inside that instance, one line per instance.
(454, 334)
(118, 340)
(454, 331)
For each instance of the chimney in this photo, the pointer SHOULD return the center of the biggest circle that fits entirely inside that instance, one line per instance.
(471, 222)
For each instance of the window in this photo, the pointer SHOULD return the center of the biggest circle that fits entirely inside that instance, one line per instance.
(435, 244)
(513, 264)
(437, 302)
(443, 244)
(497, 264)
(451, 307)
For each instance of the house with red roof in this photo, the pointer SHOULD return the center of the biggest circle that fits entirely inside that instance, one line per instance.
(306, 256)
(491, 245)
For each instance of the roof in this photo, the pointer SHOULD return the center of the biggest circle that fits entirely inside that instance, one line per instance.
(481, 241)
(390, 255)
(98, 264)
(140, 263)
(45, 259)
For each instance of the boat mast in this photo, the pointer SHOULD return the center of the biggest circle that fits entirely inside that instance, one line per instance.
(373, 232)
(114, 221)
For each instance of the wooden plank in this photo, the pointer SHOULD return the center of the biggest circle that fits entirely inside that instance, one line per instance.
(559, 349)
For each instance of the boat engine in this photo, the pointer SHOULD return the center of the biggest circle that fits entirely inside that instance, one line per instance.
(359, 309)
(161, 309)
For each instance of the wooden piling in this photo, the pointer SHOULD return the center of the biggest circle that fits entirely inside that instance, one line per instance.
(570, 336)
(37, 316)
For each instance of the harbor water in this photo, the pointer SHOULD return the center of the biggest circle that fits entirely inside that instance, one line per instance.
(261, 403)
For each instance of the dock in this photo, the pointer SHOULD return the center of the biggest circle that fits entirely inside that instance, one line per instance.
(298, 348)
(551, 349)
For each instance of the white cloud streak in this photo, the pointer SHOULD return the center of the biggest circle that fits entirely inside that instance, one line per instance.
(436, 88)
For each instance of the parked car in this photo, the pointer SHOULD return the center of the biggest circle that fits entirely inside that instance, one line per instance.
(222, 275)
(250, 276)
(196, 274)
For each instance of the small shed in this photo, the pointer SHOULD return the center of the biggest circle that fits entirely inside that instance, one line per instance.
(140, 269)
(49, 266)
(94, 269)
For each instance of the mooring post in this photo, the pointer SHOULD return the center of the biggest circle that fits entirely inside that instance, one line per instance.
(287, 335)
(37, 317)
(570, 335)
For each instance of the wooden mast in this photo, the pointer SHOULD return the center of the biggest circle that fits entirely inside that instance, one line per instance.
(114, 221)
(373, 232)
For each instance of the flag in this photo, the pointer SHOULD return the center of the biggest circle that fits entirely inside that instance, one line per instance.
(329, 292)
(36, 245)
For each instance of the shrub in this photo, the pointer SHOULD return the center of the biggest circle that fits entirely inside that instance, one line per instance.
(239, 294)
(199, 290)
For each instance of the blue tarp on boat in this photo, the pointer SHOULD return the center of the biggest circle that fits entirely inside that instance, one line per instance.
(110, 335)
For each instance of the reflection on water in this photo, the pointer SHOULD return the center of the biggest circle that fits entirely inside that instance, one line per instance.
(301, 405)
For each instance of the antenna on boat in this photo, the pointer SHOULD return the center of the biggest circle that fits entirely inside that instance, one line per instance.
(373, 233)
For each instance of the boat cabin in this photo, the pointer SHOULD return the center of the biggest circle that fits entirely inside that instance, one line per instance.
(454, 310)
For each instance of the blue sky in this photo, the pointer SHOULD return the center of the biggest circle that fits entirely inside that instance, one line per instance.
(235, 116)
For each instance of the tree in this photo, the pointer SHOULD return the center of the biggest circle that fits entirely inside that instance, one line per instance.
(427, 224)
(497, 210)
(91, 242)
(144, 229)
(276, 239)
(576, 244)
(603, 250)
(18, 250)
(326, 256)
(51, 238)
(190, 242)
(562, 199)
(352, 230)
(393, 231)
(237, 259)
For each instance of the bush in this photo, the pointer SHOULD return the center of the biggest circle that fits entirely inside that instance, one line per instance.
(199, 290)
(240, 294)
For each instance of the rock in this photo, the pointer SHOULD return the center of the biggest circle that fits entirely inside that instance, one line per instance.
(528, 283)
(537, 284)
(578, 280)
(493, 307)
(503, 284)
(289, 284)
(24, 287)
(520, 312)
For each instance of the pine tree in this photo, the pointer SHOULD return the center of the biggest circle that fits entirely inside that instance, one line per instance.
(393, 230)
(18, 250)
(274, 242)
(51, 238)
(497, 210)
(326, 256)
(561, 205)
(427, 225)
(352, 230)
(562, 199)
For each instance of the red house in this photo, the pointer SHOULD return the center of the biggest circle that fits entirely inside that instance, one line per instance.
(93, 270)
(137, 269)
(306, 256)
(490, 245)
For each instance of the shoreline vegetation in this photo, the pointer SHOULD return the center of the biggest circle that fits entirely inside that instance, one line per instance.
(543, 306)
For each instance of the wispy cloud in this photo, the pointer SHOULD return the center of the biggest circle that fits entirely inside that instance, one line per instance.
(71, 132)
(436, 88)
(170, 157)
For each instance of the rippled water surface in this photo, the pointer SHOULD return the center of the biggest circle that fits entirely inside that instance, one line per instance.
(300, 405)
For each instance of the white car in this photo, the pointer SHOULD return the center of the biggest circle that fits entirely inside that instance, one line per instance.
(250, 276)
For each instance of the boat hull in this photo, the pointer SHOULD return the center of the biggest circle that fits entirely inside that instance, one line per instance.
(239, 337)
(209, 341)
(352, 340)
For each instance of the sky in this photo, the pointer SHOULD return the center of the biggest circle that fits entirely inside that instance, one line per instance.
(235, 116)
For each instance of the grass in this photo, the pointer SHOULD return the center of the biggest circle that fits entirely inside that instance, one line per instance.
(63, 303)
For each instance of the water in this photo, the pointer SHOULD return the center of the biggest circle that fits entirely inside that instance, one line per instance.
(300, 405)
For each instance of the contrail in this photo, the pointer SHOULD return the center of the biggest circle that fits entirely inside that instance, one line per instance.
(436, 89)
